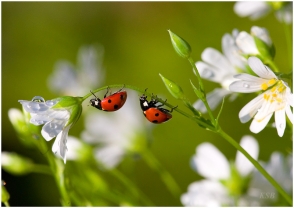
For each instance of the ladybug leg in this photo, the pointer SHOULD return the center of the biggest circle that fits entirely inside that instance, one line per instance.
(106, 92)
(121, 88)
(171, 110)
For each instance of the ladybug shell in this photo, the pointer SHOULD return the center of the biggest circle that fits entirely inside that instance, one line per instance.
(157, 115)
(114, 102)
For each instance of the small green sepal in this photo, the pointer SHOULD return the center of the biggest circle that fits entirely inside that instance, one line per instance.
(180, 45)
(174, 89)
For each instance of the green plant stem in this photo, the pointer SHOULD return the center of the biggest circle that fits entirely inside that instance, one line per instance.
(128, 183)
(166, 177)
(209, 111)
(288, 41)
(6, 204)
(57, 170)
(44, 169)
(256, 164)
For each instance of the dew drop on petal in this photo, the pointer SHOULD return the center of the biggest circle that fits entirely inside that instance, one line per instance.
(38, 99)
(281, 126)
(53, 125)
(246, 85)
(50, 102)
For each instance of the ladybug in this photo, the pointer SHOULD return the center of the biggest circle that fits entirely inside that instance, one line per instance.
(153, 113)
(113, 102)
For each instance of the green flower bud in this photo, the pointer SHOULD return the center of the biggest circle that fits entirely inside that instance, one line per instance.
(266, 51)
(72, 104)
(180, 45)
(173, 88)
(5, 195)
(15, 163)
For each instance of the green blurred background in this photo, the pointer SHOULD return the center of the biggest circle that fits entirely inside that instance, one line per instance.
(137, 48)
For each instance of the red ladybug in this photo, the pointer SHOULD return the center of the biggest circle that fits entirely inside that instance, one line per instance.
(153, 113)
(112, 102)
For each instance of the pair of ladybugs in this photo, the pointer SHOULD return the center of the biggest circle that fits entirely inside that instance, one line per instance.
(154, 113)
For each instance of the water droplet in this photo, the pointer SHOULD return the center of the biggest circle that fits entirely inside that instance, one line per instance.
(246, 85)
(50, 102)
(53, 125)
(281, 126)
(38, 99)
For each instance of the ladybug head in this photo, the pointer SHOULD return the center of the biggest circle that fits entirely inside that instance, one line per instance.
(143, 102)
(96, 102)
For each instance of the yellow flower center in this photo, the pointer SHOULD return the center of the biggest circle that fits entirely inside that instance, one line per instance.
(275, 94)
(269, 83)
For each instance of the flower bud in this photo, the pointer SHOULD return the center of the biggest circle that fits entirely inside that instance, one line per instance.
(180, 45)
(15, 163)
(4, 195)
(173, 88)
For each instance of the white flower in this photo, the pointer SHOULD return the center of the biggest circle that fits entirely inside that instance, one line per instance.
(253, 9)
(115, 133)
(276, 98)
(220, 68)
(210, 163)
(257, 9)
(247, 44)
(57, 115)
(281, 169)
(88, 74)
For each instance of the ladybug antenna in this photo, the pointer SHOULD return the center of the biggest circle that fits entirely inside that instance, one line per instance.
(94, 95)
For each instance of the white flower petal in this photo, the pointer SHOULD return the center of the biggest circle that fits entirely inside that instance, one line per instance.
(289, 96)
(243, 165)
(246, 43)
(250, 109)
(209, 72)
(110, 155)
(280, 121)
(250, 78)
(59, 145)
(205, 193)
(244, 86)
(232, 53)
(260, 69)
(257, 126)
(214, 98)
(218, 60)
(210, 162)
(52, 128)
(262, 34)
(252, 9)
(15, 115)
(34, 107)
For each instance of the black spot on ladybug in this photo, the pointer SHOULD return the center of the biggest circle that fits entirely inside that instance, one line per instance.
(115, 106)
(156, 114)
(121, 97)
(154, 121)
(109, 101)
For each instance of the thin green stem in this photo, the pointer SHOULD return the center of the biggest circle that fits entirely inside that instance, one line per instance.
(128, 183)
(288, 41)
(256, 164)
(191, 61)
(6, 204)
(57, 169)
(166, 177)
(44, 169)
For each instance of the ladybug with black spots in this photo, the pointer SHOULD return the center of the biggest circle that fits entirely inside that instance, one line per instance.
(154, 113)
(110, 103)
